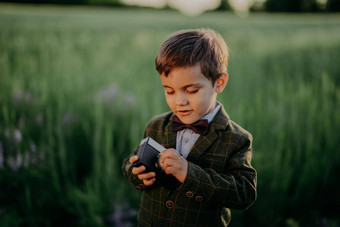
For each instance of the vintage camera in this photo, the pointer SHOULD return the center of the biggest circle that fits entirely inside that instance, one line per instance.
(148, 155)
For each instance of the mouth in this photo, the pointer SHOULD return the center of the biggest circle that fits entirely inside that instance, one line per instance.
(184, 112)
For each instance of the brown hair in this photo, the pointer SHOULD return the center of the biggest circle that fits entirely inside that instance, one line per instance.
(189, 47)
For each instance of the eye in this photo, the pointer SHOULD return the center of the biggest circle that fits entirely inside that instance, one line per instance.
(169, 92)
(193, 91)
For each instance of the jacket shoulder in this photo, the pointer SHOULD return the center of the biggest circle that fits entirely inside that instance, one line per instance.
(236, 130)
(229, 128)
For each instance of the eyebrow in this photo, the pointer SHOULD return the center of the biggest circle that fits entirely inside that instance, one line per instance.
(186, 86)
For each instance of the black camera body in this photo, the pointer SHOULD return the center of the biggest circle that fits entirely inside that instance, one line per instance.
(148, 155)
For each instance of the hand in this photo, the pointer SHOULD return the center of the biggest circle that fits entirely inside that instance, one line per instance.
(147, 178)
(173, 163)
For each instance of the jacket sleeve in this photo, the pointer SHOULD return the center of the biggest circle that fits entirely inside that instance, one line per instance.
(126, 171)
(127, 167)
(234, 188)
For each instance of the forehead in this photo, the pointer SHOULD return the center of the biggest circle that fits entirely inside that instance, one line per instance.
(184, 76)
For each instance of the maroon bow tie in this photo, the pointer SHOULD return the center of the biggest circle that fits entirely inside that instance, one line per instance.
(200, 126)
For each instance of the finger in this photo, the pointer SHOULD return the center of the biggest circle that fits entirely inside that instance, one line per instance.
(138, 170)
(180, 174)
(170, 162)
(169, 153)
(146, 176)
(149, 182)
(133, 159)
(170, 170)
(172, 166)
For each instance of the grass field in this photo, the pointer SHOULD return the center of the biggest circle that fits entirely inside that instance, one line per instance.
(78, 85)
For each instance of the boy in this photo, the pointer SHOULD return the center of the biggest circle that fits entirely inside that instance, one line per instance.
(207, 154)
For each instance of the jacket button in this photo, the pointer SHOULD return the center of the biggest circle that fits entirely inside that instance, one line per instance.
(140, 187)
(169, 204)
(199, 198)
(190, 194)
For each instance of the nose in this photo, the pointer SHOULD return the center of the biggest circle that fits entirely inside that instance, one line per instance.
(181, 99)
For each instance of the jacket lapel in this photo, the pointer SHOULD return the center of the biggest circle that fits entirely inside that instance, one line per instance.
(220, 122)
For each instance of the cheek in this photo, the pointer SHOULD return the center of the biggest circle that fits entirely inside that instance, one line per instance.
(202, 102)
(169, 101)
(199, 100)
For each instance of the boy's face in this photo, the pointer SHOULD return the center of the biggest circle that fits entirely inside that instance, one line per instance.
(189, 94)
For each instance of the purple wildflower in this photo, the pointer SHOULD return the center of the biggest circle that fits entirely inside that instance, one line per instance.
(17, 97)
(123, 213)
(28, 97)
(68, 120)
(107, 94)
(17, 136)
(14, 163)
(129, 99)
(22, 121)
(39, 119)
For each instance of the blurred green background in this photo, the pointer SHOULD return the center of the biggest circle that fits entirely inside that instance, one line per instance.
(78, 85)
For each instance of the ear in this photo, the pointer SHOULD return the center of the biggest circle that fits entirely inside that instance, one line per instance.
(221, 82)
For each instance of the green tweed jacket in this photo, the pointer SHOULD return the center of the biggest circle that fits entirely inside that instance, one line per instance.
(220, 176)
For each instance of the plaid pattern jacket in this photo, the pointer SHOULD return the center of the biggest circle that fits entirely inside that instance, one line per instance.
(220, 176)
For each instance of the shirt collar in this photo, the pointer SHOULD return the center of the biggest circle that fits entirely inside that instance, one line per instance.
(210, 116)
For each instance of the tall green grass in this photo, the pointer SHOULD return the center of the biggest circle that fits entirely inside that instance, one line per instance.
(77, 86)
